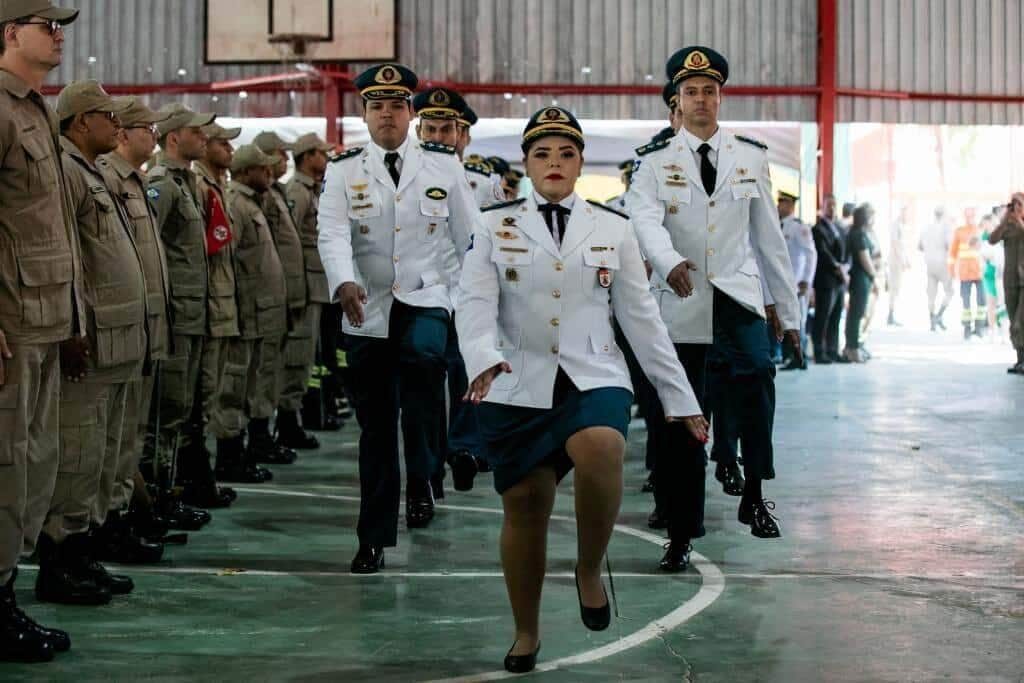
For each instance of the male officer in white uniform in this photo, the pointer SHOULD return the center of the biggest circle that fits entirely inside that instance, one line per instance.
(485, 188)
(804, 258)
(701, 203)
(389, 214)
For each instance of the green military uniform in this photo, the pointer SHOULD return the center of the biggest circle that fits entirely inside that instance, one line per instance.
(40, 306)
(262, 302)
(128, 185)
(173, 193)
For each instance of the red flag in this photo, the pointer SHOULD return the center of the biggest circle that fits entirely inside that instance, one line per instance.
(218, 230)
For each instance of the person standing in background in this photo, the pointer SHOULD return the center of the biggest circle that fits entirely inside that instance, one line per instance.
(934, 243)
(1011, 233)
(899, 261)
(965, 265)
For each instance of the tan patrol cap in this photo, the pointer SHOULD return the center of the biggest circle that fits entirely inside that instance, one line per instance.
(85, 96)
(179, 116)
(269, 141)
(138, 114)
(248, 156)
(19, 9)
(308, 143)
(215, 131)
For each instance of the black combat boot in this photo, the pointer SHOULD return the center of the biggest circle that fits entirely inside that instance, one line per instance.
(61, 578)
(262, 447)
(232, 465)
(21, 638)
(290, 433)
(115, 542)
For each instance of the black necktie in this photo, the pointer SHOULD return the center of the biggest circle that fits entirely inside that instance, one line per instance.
(550, 210)
(707, 171)
(391, 161)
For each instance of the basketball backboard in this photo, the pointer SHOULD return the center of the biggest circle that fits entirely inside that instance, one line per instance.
(265, 31)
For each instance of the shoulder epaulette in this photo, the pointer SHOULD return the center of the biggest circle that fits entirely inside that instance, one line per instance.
(438, 147)
(347, 154)
(502, 205)
(478, 168)
(751, 141)
(652, 147)
(156, 172)
(607, 208)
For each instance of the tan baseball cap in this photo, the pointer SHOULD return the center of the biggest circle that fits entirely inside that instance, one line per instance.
(269, 141)
(215, 131)
(179, 116)
(19, 9)
(308, 143)
(85, 96)
(138, 114)
(248, 156)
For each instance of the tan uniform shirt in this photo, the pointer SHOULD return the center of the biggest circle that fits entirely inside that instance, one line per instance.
(172, 192)
(276, 207)
(223, 307)
(304, 199)
(128, 185)
(40, 267)
(115, 288)
(259, 275)
(1013, 245)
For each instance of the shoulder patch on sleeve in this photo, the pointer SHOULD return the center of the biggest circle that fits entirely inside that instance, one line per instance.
(156, 172)
(153, 193)
(438, 147)
(478, 168)
(751, 141)
(607, 208)
(347, 154)
(502, 205)
(652, 147)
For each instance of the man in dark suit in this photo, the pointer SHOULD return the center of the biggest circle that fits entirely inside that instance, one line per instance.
(829, 283)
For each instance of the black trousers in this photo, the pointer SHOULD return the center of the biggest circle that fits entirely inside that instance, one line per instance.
(859, 295)
(828, 309)
(403, 374)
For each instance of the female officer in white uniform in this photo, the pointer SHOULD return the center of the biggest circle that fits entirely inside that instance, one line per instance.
(534, 322)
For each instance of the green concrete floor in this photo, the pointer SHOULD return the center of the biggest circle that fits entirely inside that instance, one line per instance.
(901, 499)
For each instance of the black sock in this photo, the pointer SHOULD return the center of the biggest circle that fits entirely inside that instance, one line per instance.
(752, 490)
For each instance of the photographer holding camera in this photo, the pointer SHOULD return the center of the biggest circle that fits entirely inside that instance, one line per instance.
(1011, 233)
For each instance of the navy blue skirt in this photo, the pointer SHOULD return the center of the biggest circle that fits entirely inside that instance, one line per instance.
(517, 440)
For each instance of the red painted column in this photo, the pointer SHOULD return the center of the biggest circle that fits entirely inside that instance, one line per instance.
(827, 19)
(333, 111)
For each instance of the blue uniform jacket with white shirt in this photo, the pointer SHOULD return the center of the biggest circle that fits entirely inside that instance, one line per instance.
(733, 236)
(537, 306)
(394, 242)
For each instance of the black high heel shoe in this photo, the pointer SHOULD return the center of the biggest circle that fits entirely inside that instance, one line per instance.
(594, 618)
(521, 664)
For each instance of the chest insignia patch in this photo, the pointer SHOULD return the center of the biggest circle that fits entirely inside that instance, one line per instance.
(436, 193)
(153, 194)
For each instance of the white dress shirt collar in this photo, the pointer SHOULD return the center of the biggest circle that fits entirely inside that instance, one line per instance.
(568, 202)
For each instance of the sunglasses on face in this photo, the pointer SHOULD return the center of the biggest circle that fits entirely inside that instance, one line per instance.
(151, 128)
(108, 115)
(51, 26)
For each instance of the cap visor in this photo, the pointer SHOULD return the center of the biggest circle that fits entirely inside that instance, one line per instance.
(200, 120)
(61, 14)
(230, 133)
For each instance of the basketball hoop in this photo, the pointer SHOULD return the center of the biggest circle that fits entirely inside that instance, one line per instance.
(296, 41)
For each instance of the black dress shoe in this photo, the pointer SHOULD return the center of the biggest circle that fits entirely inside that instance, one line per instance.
(757, 514)
(731, 479)
(481, 464)
(657, 520)
(115, 583)
(263, 448)
(822, 360)
(418, 512)
(521, 664)
(594, 618)
(243, 473)
(369, 560)
(648, 486)
(184, 517)
(130, 549)
(791, 364)
(464, 469)
(206, 495)
(676, 558)
(290, 432)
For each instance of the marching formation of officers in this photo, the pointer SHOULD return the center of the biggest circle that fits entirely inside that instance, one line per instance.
(148, 303)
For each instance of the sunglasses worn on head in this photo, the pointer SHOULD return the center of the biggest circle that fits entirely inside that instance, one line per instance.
(51, 26)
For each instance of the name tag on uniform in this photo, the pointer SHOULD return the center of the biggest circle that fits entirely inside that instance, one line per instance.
(360, 207)
(604, 277)
(602, 249)
(516, 250)
(740, 181)
(676, 180)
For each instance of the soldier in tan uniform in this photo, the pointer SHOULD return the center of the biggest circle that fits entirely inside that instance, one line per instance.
(40, 307)
(92, 411)
(173, 194)
(212, 174)
(303, 192)
(262, 304)
(121, 171)
(293, 373)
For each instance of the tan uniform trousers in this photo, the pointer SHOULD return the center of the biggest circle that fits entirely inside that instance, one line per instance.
(217, 352)
(91, 426)
(262, 387)
(1015, 310)
(29, 447)
(297, 360)
(249, 388)
(133, 438)
(179, 379)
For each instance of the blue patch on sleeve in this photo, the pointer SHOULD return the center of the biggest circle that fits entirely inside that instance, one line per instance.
(153, 194)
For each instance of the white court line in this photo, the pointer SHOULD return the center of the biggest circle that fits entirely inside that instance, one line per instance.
(712, 585)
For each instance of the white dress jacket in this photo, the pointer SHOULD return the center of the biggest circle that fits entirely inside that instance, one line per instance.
(394, 242)
(733, 236)
(524, 301)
